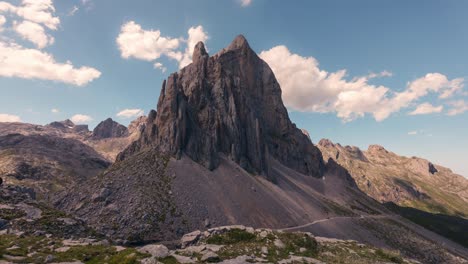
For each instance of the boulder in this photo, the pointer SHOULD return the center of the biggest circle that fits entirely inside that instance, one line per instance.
(158, 251)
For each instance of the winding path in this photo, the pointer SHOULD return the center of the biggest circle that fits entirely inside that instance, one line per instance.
(333, 218)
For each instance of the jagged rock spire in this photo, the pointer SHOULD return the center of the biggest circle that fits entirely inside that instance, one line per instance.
(228, 104)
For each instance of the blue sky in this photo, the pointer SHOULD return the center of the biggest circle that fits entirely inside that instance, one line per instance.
(404, 88)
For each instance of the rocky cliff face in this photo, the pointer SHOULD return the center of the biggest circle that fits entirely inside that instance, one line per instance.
(227, 104)
(413, 182)
(109, 129)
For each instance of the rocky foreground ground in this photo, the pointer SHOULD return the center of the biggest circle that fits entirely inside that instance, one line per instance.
(32, 232)
(229, 244)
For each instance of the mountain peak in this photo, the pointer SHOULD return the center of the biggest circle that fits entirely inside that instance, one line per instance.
(376, 149)
(206, 115)
(199, 51)
(324, 142)
(109, 129)
(238, 43)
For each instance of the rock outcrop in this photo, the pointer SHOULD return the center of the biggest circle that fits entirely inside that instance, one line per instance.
(227, 104)
(68, 126)
(109, 129)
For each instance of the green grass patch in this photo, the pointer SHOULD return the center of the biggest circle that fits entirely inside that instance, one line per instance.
(168, 260)
(10, 214)
(232, 237)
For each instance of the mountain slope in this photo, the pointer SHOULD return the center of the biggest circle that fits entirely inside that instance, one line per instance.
(412, 182)
(47, 163)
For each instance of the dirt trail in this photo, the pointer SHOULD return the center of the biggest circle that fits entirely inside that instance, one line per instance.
(332, 218)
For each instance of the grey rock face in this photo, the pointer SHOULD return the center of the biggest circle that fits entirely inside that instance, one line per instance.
(229, 103)
(109, 129)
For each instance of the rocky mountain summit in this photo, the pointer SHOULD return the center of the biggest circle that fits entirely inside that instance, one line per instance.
(228, 104)
(109, 129)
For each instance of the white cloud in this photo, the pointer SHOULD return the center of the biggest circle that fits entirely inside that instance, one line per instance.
(135, 42)
(2, 22)
(385, 73)
(9, 118)
(435, 82)
(21, 62)
(245, 3)
(412, 133)
(158, 65)
(38, 11)
(458, 107)
(31, 19)
(149, 45)
(81, 119)
(34, 33)
(129, 113)
(426, 108)
(55, 110)
(306, 87)
(195, 35)
(73, 10)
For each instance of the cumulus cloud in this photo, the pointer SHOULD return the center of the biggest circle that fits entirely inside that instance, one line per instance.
(21, 62)
(81, 119)
(33, 32)
(9, 118)
(31, 19)
(135, 42)
(158, 65)
(55, 110)
(245, 3)
(195, 35)
(457, 107)
(38, 11)
(426, 108)
(129, 113)
(306, 87)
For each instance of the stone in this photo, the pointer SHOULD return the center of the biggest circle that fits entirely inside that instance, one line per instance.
(263, 234)
(264, 250)
(214, 248)
(62, 249)
(158, 251)
(279, 244)
(119, 248)
(68, 221)
(190, 238)
(3, 223)
(183, 259)
(210, 256)
(194, 249)
(150, 260)
(49, 258)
